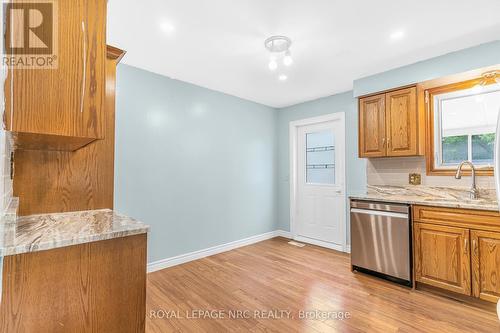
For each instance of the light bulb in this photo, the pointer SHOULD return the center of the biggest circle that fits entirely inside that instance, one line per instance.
(288, 60)
(273, 64)
(282, 77)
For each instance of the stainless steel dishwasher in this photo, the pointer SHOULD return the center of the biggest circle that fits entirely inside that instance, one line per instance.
(381, 240)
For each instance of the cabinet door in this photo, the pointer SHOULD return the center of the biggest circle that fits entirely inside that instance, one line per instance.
(486, 265)
(442, 257)
(68, 100)
(372, 126)
(401, 122)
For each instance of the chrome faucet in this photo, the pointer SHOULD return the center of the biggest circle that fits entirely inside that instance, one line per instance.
(473, 192)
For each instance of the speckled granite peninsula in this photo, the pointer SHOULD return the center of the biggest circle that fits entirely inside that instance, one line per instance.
(431, 196)
(49, 231)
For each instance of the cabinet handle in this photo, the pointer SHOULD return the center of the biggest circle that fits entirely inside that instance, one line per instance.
(84, 67)
(383, 142)
(474, 246)
(465, 245)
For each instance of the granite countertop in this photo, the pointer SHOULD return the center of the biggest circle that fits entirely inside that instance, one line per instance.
(431, 196)
(49, 231)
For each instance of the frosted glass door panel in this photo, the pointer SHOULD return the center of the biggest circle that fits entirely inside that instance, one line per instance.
(320, 157)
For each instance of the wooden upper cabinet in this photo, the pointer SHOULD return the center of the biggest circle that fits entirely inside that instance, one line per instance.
(372, 124)
(486, 265)
(401, 122)
(62, 108)
(389, 124)
(442, 257)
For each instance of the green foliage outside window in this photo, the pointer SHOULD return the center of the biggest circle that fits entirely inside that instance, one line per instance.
(455, 148)
(483, 147)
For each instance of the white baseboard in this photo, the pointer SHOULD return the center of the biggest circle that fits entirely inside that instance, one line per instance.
(313, 241)
(183, 258)
(283, 233)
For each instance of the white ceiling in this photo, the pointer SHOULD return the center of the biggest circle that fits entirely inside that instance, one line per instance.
(218, 44)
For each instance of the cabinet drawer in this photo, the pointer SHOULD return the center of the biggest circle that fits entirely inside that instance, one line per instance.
(464, 218)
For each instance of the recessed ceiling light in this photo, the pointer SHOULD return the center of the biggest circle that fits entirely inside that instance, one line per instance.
(282, 77)
(167, 27)
(397, 35)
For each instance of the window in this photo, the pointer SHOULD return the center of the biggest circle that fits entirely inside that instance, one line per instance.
(320, 157)
(464, 125)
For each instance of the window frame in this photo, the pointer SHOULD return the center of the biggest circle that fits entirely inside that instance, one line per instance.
(438, 118)
(429, 94)
(306, 160)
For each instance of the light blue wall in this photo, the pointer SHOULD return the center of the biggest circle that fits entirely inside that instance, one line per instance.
(197, 165)
(355, 167)
(452, 63)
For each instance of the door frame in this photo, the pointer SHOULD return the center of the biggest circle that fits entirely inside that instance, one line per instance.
(293, 145)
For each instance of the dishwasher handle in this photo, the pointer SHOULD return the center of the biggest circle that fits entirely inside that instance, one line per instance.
(382, 206)
(379, 213)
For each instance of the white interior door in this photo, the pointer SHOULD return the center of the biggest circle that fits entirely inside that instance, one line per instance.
(320, 200)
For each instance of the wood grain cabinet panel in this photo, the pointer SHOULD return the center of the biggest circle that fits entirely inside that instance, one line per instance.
(92, 287)
(67, 101)
(442, 257)
(61, 181)
(401, 122)
(372, 126)
(486, 265)
(456, 217)
(390, 124)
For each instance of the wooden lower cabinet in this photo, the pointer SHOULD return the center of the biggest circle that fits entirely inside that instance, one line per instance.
(92, 287)
(442, 257)
(486, 265)
(458, 250)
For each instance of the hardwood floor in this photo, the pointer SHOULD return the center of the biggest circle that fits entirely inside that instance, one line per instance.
(273, 275)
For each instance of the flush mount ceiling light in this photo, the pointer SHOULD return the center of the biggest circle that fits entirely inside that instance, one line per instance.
(279, 47)
(487, 78)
